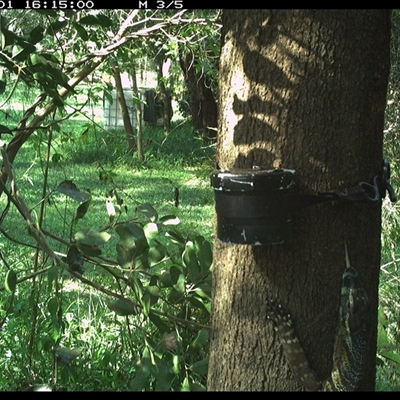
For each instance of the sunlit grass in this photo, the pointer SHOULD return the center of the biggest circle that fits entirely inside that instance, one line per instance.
(97, 162)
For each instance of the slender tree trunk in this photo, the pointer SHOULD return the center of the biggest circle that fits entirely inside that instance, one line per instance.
(124, 109)
(138, 109)
(305, 90)
(165, 96)
(203, 106)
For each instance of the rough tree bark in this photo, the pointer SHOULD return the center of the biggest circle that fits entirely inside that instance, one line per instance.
(203, 107)
(300, 89)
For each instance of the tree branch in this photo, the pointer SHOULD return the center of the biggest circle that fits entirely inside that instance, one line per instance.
(92, 61)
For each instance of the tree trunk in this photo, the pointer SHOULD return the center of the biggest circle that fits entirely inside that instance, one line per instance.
(305, 90)
(123, 108)
(203, 107)
(164, 96)
(138, 109)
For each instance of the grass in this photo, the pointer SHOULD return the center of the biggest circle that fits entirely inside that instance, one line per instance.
(153, 181)
(95, 160)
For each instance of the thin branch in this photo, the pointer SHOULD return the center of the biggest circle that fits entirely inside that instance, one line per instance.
(30, 276)
(91, 61)
(22, 207)
(152, 311)
(11, 239)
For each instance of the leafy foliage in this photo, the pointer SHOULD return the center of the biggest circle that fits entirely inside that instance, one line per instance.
(155, 292)
(102, 290)
(388, 354)
(126, 307)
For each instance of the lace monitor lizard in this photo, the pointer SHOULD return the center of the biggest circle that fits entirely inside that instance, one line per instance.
(351, 339)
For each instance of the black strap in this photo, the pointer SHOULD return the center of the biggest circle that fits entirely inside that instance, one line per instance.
(366, 192)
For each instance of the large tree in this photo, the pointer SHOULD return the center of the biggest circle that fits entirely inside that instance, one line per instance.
(306, 90)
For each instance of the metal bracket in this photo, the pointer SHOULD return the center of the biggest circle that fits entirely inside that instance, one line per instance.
(254, 206)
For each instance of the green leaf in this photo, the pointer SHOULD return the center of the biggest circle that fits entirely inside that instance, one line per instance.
(27, 46)
(57, 76)
(36, 34)
(56, 26)
(391, 355)
(201, 339)
(176, 366)
(91, 237)
(90, 251)
(163, 376)
(37, 59)
(156, 254)
(180, 284)
(10, 282)
(190, 261)
(382, 318)
(55, 329)
(175, 237)
(66, 356)
(4, 22)
(125, 254)
(205, 255)
(56, 158)
(89, 20)
(40, 77)
(52, 306)
(203, 290)
(70, 189)
(200, 367)
(129, 231)
(169, 220)
(146, 303)
(16, 50)
(82, 32)
(137, 287)
(165, 279)
(143, 370)
(185, 385)
(75, 259)
(150, 230)
(149, 211)
(122, 307)
(175, 274)
(198, 303)
(3, 85)
(108, 96)
(175, 297)
(132, 244)
(159, 323)
(50, 57)
(57, 99)
(104, 21)
(51, 13)
(153, 280)
(153, 292)
(82, 209)
(197, 387)
(52, 273)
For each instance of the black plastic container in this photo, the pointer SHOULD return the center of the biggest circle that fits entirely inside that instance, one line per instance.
(252, 205)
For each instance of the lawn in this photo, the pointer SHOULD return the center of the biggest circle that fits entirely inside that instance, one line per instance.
(174, 179)
(68, 314)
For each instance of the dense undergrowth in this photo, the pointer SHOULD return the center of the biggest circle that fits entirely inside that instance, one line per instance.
(137, 318)
(61, 332)
(388, 345)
